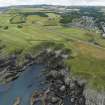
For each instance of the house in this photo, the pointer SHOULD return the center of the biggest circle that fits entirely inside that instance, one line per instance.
(103, 35)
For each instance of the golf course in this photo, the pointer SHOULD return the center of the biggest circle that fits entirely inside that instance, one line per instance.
(24, 30)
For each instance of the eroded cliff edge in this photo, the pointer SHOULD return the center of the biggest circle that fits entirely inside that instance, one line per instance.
(62, 87)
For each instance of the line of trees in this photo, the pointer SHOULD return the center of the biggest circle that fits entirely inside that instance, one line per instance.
(69, 16)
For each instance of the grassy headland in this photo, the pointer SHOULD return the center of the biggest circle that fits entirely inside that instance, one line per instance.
(24, 31)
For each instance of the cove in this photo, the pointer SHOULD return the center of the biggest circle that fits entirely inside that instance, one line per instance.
(29, 81)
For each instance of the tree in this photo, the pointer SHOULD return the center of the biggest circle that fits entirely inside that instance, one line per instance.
(5, 27)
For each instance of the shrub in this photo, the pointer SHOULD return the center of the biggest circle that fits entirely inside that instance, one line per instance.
(0, 26)
(5, 27)
(19, 26)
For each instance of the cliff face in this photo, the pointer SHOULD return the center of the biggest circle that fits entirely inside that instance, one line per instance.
(93, 97)
(63, 89)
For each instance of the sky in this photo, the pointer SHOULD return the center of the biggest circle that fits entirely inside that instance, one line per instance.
(52, 2)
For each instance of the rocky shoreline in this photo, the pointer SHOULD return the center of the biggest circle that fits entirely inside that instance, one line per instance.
(62, 88)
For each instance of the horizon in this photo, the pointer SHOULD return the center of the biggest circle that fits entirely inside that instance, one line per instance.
(52, 2)
(52, 5)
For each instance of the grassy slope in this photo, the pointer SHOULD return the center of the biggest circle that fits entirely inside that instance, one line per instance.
(88, 59)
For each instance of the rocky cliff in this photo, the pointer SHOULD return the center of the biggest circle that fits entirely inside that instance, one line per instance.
(94, 97)
(62, 88)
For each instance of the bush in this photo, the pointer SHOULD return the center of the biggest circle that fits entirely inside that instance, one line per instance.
(18, 19)
(19, 26)
(5, 27)
(0, 26)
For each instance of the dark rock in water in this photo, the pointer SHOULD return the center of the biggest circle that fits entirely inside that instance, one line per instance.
(35, 98)
(17, 101)
(29, 86)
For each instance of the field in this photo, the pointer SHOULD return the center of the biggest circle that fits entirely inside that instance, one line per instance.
(34, 26)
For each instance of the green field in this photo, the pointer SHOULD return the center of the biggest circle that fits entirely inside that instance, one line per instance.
(88, 48)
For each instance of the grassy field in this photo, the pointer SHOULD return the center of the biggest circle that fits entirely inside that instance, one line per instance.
(88, 48)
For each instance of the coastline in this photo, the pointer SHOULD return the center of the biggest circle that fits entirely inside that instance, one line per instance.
(62, 87)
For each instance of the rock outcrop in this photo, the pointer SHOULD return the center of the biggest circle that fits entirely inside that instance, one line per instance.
(61, 88)
(94, 97)
(17, 101)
